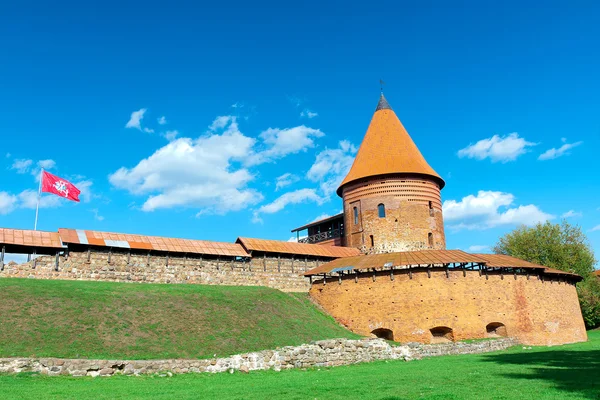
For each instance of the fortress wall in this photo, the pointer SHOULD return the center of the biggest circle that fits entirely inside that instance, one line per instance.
(536, 312)
(408, 219)
(279, 273)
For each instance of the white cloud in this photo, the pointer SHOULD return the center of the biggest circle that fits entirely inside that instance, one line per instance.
(162, 120)
(97, 215)
(171, 135)
(596, 228)
(477, 248)
(22, 166)
(46, 164)
(282, 142)
(571, 214)
(497, 148)
(308, 114)
(86, 192)
(221, 122)
(285, 180)
(561, 151)
(8, 202)
(148, 130)
(28, 199)
(136, 119)
(320, 217)
(489, 209)
(201, 173)
(295, 197)
(331, 166)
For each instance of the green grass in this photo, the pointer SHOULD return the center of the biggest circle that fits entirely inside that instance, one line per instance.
(561, 372)
(103, 320)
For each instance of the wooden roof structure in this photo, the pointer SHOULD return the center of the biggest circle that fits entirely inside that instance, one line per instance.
(25, 241)
(319, 221)
(399, 259)
(279, 247)
(140, 242)
(387, 148)
(430, 258)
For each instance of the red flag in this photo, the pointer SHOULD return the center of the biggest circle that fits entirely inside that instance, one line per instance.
(59, 186)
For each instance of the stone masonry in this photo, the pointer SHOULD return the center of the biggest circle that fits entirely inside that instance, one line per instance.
(283, 273)
(410, 305)
(324, 353)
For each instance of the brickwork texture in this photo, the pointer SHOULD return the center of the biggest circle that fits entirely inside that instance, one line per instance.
(536, 311)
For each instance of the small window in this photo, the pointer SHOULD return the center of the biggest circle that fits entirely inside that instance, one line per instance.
(372, 241)
(431, 209)
(381, 210)
(430, 239)
(355, 216)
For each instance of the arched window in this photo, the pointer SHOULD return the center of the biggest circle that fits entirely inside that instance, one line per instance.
(430, 239)
(441, 334)
(496, 329)
(381, 210)
(355, 210)
(372, 241)
(383, 333)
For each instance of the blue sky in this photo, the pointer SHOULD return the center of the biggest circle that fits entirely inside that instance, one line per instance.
(224, 99)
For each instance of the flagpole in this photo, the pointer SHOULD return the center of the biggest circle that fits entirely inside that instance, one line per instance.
(37, 208)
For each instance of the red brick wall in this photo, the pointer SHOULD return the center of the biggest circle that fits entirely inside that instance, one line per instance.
(537, 312)
(408, 220)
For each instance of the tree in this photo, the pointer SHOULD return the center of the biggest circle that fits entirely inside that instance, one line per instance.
(561, 246)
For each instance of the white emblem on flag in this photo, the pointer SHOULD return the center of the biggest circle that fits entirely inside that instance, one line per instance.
(61, 187)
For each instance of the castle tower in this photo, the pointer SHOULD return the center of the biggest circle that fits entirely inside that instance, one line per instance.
(391, 196)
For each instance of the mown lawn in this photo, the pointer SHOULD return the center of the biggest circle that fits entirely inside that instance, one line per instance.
(75, 319)
(561, 372)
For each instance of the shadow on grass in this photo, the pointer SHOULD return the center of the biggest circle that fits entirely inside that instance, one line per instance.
(570, 371)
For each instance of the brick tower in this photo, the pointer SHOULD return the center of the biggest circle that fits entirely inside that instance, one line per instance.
(391, 196)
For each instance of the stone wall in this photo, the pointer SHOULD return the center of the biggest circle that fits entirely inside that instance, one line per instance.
(406, 306)
(282, 273)
(325, 353)
(408, 217)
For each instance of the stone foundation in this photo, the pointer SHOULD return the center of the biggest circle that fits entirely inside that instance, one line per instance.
(324, 353)
(283, 273)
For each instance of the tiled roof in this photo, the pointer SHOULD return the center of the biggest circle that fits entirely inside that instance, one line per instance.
(20, 237)
(387, 149)
(399, 259)
(128, 241)
(428, 257)
(501, 260)
(316, 250)
(597, 273)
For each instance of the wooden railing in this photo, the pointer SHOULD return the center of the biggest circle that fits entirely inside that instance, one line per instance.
(320, 237)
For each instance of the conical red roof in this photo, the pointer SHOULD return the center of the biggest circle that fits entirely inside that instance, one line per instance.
(388, 149)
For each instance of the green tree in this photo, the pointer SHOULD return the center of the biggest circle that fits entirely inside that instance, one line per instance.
(562, 246)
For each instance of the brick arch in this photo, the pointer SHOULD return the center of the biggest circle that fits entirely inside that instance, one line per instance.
(383, 333)
(496, 329)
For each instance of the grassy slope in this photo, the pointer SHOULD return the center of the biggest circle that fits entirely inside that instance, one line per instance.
(561, 372)
(74, 319)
